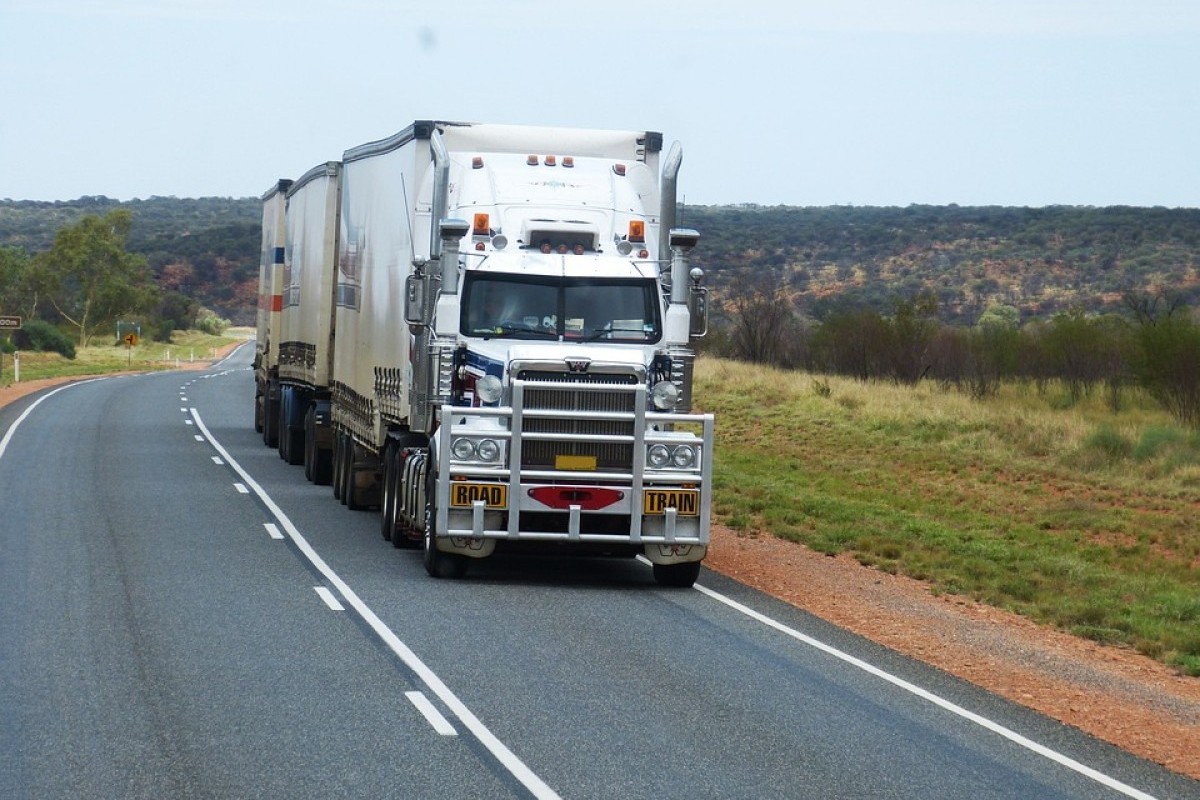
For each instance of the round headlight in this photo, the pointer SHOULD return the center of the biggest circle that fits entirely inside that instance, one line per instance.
(488, 389)
(463, 449)
(487, 450)
(658, 455)
(684, 456)
(664, 395)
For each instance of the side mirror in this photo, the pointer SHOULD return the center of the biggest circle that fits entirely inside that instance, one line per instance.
(414, 301)
(697, 305)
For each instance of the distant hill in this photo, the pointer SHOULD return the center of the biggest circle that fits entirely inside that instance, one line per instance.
(1041, 260)
(206, 248)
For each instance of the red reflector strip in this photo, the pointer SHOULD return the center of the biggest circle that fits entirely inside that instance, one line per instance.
(277, 302)
(591, 498)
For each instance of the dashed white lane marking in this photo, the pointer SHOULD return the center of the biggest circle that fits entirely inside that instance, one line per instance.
(241, 487)
(329, 599)
(272, 530)
(217, 460)
(199, 438)
(538, 788)
(427, 709)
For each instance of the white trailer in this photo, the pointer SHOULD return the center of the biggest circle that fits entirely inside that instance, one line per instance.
(270, 277)
(512, 315)
(307, 320)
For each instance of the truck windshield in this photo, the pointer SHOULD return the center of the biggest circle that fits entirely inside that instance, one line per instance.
(594, 309)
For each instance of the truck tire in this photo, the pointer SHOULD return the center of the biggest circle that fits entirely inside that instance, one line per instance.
(437, 563)
(387, 505)
(270, 428)
(352, 496)
(681, 576)
(339, 462)
(310, 446)
(317, 460)
(294, 452)
(258, 413)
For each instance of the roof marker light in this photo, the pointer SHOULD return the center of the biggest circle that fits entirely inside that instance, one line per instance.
(637, 230)
(531, 161)
(481, 225)
(551, 161)
(619, 169)
(568, 162)
(477, 162)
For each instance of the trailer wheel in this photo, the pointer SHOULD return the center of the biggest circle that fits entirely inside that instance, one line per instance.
(437, 563)
(322, 459)
(292, 438)
(270, 427)
(310, 447)
(282, 440)
(387, 506)
(677, 575)
(339, 461)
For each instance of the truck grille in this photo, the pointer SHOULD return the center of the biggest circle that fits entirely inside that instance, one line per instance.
(619, 398)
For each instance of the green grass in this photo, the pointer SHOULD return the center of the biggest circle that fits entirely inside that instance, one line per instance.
(1071, 514)
(185, 346)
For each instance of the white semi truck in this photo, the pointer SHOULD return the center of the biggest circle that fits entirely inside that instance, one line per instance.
(510, 312)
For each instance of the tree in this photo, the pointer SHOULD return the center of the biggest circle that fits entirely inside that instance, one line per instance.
(89, 277)
(764, 325)
(912, 328)
(14, 282)
(1169, 363)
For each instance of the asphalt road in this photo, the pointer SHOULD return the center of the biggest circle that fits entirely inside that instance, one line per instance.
(183, 615)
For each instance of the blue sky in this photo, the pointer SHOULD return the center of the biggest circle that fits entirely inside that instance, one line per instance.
(861, 102)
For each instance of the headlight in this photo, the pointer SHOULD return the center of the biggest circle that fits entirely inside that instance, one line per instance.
(658, 455)
(463, 449)
(487, 450)
(488, 389)
(684, 457)
(664, 395)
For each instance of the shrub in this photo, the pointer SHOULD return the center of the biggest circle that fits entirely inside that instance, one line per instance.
(209, 322)
(42, 337)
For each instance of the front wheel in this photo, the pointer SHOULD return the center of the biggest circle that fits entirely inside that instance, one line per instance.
(437, 563)
(677, 575)
(443, 565)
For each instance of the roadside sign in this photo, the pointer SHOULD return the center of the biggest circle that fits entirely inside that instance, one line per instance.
(10, 323)
(131, 340)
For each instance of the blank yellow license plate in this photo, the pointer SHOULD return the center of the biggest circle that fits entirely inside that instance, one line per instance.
(577, 463)
(686, 502)
(495, 495)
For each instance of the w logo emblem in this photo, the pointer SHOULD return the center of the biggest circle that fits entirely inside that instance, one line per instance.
(578, 364)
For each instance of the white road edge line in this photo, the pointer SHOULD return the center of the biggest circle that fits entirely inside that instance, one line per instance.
(12, 429)
(431, 714)
(536, 786)
(924, 694)
(329, 599)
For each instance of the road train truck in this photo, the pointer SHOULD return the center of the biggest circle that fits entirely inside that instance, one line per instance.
(498, 351)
